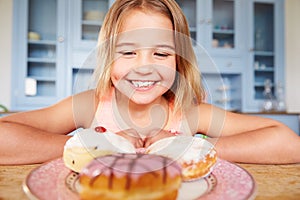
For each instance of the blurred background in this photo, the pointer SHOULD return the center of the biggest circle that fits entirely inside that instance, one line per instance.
(247, 52)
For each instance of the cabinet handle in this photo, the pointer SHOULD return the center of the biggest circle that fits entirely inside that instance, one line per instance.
(251, 49)
(61, 39)
(229, 64)
(202, 21)
(208, 21)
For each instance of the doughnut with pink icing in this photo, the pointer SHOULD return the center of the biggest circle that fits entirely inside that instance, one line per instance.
(130, 176)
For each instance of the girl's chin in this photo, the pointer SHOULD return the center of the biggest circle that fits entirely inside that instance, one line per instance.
(141, 97)
(143, 100)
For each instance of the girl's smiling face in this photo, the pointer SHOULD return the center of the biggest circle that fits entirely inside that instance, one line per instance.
(144, 67)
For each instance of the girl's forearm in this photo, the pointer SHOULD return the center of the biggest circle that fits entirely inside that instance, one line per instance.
(20, 144)
(270, 145)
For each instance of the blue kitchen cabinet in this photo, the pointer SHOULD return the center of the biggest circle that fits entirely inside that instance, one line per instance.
(217, 26)
(88, 16)
(291, 120)
(85, 24)
(217, 31)
(265, 57)
(39, 53)
(226, 35)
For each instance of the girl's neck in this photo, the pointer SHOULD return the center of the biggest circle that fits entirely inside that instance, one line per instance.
(142, 117)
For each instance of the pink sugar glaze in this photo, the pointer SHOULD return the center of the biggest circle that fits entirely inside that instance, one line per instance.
(140, 150)
(120, 165)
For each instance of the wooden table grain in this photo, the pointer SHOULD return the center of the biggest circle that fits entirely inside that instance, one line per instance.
(273, 181)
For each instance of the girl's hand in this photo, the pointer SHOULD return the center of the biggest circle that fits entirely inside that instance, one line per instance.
(133, 136)
(157, 136)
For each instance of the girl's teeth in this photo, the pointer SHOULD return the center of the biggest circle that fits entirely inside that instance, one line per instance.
(142, 83)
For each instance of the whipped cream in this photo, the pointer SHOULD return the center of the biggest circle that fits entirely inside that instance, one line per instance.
(185, 149)
(89, 138)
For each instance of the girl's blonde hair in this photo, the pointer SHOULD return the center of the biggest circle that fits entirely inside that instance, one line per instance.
(187, 88)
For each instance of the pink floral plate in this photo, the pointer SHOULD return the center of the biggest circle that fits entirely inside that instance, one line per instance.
(227, 181)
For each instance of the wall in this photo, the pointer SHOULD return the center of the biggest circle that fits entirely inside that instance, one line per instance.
(292, 10)
(6, 7)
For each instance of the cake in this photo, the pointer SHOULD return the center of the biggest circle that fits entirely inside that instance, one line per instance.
(88, 144)
(196, 156)
(130, 176)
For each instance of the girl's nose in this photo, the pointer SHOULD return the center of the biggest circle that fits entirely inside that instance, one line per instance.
(144, 69)
(145, 63)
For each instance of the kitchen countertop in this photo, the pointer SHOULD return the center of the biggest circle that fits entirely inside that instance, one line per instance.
(273, 181)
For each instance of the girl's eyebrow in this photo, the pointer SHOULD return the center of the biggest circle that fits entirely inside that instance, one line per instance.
(125, 44)
(163, 46)
(166, 46)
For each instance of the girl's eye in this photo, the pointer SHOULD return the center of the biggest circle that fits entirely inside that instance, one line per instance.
(161, 55)
(127, 54)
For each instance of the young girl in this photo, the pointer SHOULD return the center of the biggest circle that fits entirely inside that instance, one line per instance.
(148, 88)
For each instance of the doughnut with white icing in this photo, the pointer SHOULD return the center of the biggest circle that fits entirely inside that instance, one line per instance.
(196, 156)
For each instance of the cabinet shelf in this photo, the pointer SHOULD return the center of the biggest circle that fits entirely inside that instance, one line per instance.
(267, 69)
(42, 60)
(43, 79)
(193, 29)
(263, 53)
(258, 84)
(223, 31)
(92, 22)
(42, 42)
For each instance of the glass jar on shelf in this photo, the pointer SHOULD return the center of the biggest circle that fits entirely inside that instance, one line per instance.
(269, 103)
(280, 105)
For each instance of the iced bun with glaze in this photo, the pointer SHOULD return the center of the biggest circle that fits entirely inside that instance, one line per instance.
(130, 177)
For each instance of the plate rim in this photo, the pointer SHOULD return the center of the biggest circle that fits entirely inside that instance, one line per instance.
(252, 193)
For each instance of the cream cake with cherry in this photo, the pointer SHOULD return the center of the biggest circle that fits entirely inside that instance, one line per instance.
(88, 144)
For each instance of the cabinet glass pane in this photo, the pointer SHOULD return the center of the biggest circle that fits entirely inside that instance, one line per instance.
(42, 19)
(93, 13)
(223, 90)
(223, 24)
(46, 88)
(41, 48)
(81, 79)
(189, 9)
(263, 47)
(40, 70)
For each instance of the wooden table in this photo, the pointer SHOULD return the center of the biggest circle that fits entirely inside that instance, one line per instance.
(273, 181)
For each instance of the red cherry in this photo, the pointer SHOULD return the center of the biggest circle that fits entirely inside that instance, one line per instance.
(100, 129)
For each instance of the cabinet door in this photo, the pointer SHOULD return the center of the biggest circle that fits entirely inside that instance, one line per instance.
(266, 62)
(220, 26)
(215, 30)
(39, 53)
(87, 21)
(223, 24)
(189, 8)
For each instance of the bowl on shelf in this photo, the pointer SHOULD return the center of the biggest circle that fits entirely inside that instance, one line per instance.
(94, 15)
(34, 36)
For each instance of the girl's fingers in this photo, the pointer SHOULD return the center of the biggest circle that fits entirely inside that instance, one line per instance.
(133, 136)
(162, 134)
(139, 143)
(131, 133)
